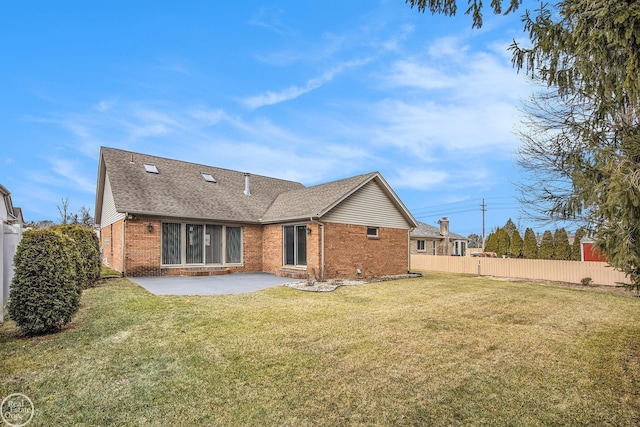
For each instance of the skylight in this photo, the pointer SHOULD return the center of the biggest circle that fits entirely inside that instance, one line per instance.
(207, 177)
(150, 168)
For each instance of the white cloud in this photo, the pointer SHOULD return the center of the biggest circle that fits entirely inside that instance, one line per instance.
(73, 172)
(418, 179)
(292, 92)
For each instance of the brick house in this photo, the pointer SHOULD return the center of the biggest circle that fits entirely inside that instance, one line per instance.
(159, 216)
(430, 240)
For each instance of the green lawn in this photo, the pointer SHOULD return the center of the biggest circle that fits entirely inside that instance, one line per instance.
(439, 350)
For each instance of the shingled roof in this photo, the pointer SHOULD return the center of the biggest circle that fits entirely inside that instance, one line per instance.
(429, 231)
(179, 190)
(314, 201)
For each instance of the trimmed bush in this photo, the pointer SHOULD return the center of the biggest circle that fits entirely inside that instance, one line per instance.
(46, 287)
(88, 245)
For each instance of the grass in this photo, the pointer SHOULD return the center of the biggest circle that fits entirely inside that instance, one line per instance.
(440, 350)
(106, 271)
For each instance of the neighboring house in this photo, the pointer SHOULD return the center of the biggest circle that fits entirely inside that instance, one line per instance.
(11, 224)
(431, 240)
(159, 216)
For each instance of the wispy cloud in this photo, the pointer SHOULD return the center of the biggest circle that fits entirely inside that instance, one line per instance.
(72, 172)
(270, 19)
(292, 92)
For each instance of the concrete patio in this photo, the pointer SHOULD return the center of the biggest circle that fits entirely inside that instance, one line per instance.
(210, 285)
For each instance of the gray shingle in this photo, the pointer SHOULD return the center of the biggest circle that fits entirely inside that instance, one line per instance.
(313, 201)
(180, 191)
(429, 231)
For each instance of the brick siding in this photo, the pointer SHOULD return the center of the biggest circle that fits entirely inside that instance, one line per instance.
(111, 245)
(348, 248)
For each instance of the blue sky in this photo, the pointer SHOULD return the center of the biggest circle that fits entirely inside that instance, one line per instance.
(310, 91)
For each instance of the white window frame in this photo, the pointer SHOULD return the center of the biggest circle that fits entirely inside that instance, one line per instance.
(373, 236)
(183, 244)
(423, 243)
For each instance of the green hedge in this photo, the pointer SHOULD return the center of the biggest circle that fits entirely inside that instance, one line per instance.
(89, 247)
(47, 283)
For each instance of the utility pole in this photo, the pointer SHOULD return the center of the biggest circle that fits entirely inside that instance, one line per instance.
(484, 208)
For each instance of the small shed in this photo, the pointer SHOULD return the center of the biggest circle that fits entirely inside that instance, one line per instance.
(589, 252)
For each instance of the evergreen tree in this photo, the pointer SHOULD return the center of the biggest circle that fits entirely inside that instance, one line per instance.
(502, 242)
(530, 245)
(491, 244)
(546, 246)
(510, 227)
(475, 241)
(576, 248)
(582, 149)
(516, 245)
(561, 247)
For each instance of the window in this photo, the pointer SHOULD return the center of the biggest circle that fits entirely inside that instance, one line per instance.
(171, 243)
(295, 244)
(195, 239)
(372, 231)
(200, 244)
(213, 244)
(150, 168)
(434, 247)
(234, 245)
(421, 245)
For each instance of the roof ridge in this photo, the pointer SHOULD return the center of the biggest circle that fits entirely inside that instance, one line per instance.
(196, 164)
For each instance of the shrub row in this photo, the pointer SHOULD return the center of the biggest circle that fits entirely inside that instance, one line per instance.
(51, 267)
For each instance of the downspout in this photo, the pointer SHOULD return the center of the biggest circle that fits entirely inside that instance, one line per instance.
(321, 225)
(124, 226)
(409, 250)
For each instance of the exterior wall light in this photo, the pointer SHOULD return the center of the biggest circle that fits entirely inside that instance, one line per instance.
(308, 230)
(149, 227)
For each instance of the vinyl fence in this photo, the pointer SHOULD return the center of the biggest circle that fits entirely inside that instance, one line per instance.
(9, 238)
(535, 269)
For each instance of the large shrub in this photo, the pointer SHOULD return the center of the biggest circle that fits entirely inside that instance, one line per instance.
(88, 245)
(491, 244)
(503, 242)
(530, 244)
(516, 244)
(561, 247)
(546, 246)
(46, 286)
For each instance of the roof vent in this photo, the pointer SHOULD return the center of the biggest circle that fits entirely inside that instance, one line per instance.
(150, 168)
(247, 192)
(207, 177)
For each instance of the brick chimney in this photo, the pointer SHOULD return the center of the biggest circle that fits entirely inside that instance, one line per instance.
(444, 232)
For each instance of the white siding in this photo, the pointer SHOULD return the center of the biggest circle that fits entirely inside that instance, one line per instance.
(109, 213)
(368, 206)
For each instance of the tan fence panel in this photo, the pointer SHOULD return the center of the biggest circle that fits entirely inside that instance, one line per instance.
(535, 269)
